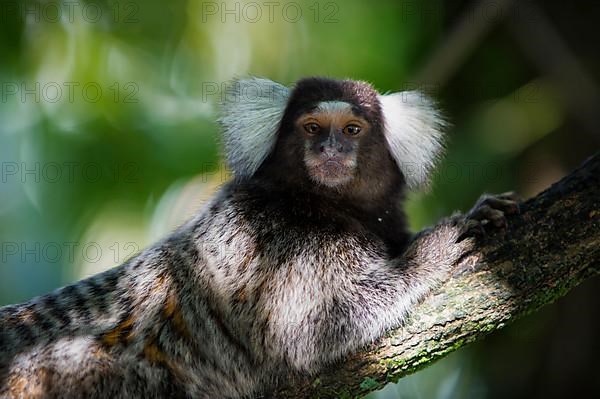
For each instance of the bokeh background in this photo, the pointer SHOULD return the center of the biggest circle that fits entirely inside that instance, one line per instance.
(108, 137)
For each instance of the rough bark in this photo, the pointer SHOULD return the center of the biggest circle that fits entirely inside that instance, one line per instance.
(549, 248)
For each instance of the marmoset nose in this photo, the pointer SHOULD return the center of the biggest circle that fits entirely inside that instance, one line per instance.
(330, 150)
(331, 146)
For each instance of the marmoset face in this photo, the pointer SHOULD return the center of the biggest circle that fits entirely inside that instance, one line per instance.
(332, 135)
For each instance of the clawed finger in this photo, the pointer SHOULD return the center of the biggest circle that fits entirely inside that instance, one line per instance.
(510, 195)
(472, 228)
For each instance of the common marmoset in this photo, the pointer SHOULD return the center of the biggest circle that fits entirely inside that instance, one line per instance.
(301, 259)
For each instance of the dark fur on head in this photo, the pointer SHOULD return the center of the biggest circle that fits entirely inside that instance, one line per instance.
(405, 128)
(377, 175)
(374, 196)
(361, 177)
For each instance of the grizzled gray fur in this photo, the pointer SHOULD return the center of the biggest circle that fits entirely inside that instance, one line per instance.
(300, 260)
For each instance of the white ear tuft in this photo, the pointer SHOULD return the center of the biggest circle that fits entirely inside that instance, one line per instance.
(251, 114)
(413, 129)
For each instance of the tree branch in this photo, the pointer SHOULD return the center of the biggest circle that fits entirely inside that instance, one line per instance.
(553, 245)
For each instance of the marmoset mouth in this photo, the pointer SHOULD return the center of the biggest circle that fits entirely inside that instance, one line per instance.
(332, 165)
(331, 171)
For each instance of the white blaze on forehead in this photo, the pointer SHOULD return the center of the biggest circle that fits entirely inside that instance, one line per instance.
(334, 106)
